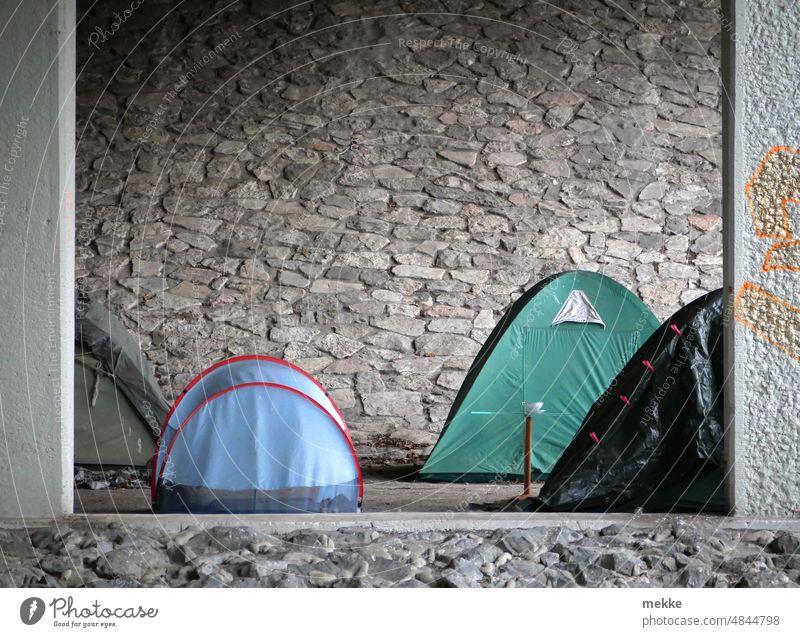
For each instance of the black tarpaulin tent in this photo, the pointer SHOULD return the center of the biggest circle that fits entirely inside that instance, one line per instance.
(654, 439)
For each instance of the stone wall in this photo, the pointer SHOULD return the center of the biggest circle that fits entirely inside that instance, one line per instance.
(362, 187)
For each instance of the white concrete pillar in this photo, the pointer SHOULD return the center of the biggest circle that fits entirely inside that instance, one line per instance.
(37, 150)
(762, 177)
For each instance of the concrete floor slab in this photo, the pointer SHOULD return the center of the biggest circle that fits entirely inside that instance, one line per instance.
(393, 502)
(385, 490)
(397, 522)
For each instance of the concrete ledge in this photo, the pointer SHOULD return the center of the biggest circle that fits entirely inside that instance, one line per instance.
(399, 522)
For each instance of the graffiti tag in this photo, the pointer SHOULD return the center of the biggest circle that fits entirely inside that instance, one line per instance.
(774, 185)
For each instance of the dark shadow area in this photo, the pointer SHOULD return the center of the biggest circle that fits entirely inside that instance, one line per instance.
(386, 489)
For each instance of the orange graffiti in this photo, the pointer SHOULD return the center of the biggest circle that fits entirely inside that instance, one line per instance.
(757, 309)
(774, 185)
(784, 255)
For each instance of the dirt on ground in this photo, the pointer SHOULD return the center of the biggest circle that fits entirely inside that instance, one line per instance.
(386, 489)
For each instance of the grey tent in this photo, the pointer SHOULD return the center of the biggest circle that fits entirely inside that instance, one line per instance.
(119, 407)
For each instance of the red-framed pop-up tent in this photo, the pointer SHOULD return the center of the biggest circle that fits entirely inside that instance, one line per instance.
(255, 434)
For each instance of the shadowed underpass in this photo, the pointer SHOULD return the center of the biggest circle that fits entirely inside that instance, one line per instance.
(385, 490)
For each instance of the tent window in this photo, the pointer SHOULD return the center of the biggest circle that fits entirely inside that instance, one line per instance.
(577, 309)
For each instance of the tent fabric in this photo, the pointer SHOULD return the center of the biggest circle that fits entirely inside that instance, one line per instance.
(577, 309)
(237, 371)
(528, 359)
(255, 434)
(118, 403)
(99, 332)
(654, 440)
(108, 428)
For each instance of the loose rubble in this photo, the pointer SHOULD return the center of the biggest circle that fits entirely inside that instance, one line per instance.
(677, 553)
(117, 477)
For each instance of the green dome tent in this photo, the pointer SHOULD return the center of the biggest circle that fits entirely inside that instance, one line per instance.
(118, 403)
(561, 343)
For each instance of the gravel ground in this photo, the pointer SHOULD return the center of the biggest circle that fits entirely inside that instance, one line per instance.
(681, 553)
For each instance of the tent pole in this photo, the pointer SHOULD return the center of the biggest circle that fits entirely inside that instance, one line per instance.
(528, 435)
(528, 444)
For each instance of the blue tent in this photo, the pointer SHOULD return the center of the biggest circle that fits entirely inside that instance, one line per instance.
(255, 434)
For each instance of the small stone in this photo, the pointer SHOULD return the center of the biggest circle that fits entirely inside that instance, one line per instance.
(506, 159)
(635, 223)
(627, 77)
(622, 561)
(362, 260)
(706, 223)
(56, 565)
(442, 207)
(299, 334)
(293, 279)
(677, 271)
(451, 379)
(591, 575)
(558, 116)
(141, 268)
(475, 277)
(577, 255)
(321, 579)
(488, 223)
(446, 345)
(450, 325)
(197, 224)
(392, 172)
(518, 542)
(549, 558)
(461, 157)
(552, 167)
(416, 365)
(612, 529)
(654, 190)
(648, 45)
(562, 238)
(147, 134)
(708, 243)
(129, 562)
(451, 578)
(332, 286)
(254, 270)
(392, 403)
(402, 325)
(339, 346)
(485, 320)
(785, 543)
(418, 272)
(413, 258)
(230, 147)
(190, 290)
(762, 537)
(694, 576)
(765, 579)
(622, 249)
(448, 118)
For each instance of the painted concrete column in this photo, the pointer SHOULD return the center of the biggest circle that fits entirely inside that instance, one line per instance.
(763, 268)
(37, 150)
